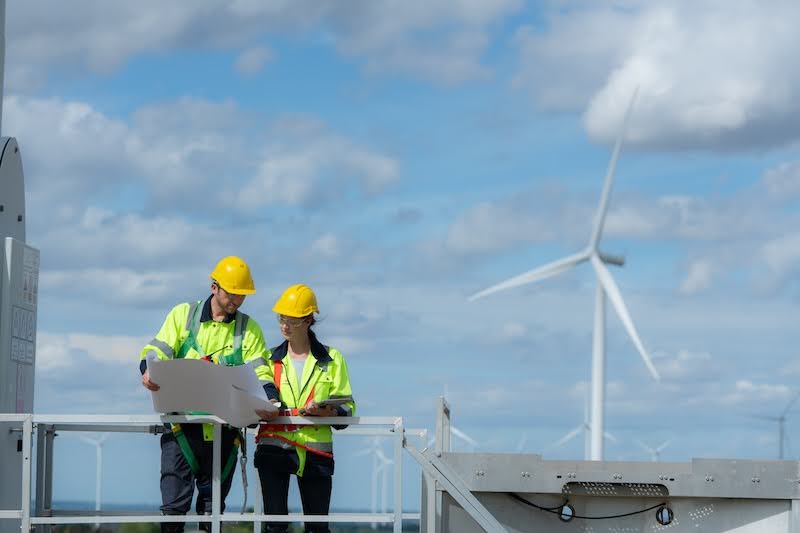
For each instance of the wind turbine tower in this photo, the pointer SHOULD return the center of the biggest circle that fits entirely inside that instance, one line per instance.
(606, 287)
(98, 486)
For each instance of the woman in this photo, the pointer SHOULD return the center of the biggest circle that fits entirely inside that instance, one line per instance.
(309, 379)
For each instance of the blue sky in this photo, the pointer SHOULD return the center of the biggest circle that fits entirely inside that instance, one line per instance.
(397, 158)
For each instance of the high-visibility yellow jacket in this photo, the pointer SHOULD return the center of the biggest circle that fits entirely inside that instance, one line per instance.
(324, 377)
(189, 332)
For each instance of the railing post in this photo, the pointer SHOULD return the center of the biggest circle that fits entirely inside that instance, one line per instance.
(38, 510)
(47, 503)
(442, 444)
(397, 487)
(27, 441)
(216, 492)
(258, 501)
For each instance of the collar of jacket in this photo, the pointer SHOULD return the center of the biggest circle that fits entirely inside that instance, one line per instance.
(318, 350)
(205, 316)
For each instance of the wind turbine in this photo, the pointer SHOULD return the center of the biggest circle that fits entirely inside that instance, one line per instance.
(585, 427)
(606, 286)
(98, 486)
(781, 420)
(380, 465)
(655, 453)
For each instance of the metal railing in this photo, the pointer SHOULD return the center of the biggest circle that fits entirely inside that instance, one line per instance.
(45, 427)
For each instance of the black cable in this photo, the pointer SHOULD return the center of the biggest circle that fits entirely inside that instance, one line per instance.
(550, 509)
(557, 510)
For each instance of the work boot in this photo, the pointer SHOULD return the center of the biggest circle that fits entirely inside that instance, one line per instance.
(171, 527)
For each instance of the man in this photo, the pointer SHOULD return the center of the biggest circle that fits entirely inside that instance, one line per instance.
(216, 331)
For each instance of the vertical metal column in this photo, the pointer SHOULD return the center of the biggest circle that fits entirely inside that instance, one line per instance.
(47, 502)
(216, 492)
(38, 510)
(397, 486)
(258, 502)
(442, 445)
(27, 431)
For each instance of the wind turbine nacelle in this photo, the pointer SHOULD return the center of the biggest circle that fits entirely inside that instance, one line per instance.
(610, 259)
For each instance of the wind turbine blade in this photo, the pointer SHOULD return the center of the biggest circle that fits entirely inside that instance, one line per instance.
(609, 436)
(766, 417)
(546, 271)
(663, 445)
(789, 406)
(522, 441)
(385, 460)
(463, 436)
(566, 438)
(600, 217)
(604, 276)
(644, 446)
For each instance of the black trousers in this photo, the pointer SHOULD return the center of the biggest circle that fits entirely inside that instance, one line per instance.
(275, 467)
(178, 481)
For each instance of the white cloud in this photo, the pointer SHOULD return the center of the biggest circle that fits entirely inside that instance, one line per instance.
(745, 391)
(783, 181)
(513, 331)
(782, 255)
(494, 226)
(112, 285)
(56, 351)
(712, 76)
(687, 366)
(698, 277)
(252, 60)
(326, 245)
(441, 41)
(323, 167)
(68, 148)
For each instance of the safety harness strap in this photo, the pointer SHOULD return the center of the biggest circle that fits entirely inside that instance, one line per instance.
(188, 453)
(296, 444)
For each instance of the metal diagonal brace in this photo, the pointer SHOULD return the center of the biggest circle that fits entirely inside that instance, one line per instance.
(454, 485)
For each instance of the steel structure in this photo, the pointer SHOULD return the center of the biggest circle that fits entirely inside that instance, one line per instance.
(704, 495)
(40, 430)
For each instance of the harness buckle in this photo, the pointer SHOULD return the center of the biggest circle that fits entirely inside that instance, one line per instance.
(289, 428)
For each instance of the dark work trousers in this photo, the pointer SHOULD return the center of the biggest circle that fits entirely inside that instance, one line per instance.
(178, 481)
(275, 467)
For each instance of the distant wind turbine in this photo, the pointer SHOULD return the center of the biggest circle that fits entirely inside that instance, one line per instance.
(463, 436)
(380, 474)
(606, 286)
(655, 453)
(585, 427)
(781, 420)
(98, 485)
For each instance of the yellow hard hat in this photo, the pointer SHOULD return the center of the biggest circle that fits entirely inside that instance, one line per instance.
(297, 301)
(233, 275)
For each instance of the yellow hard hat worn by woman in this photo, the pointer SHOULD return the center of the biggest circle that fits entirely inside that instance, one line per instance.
(297, 301)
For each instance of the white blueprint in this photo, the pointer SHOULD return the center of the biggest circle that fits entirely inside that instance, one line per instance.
(232, 393)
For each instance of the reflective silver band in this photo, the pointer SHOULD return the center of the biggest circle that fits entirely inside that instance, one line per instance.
(164, 347)
(321, 446)
(256, 363)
